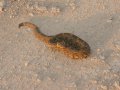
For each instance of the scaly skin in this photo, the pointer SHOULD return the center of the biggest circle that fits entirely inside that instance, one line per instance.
(69, 44)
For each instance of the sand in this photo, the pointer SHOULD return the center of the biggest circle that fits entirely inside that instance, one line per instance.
(28, 64)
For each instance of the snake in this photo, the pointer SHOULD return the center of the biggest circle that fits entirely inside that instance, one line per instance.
(67, 43)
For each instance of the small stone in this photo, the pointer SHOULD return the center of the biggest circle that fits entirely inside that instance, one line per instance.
(38, 80)
(26, 64)
(117, 85)
(10, 16)
(104, 87)
(72, 5)
(69, 76)
(31, 14)
(98, 49)
(115, 75)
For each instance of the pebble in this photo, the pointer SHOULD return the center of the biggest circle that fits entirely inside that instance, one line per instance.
(104, 87)
(26, 64)
(12, 16)
(117, 85)
(38, 80)
(73, 6)
(31, 14)
(98, 50)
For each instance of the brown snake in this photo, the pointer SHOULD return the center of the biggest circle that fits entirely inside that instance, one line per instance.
(69, 44)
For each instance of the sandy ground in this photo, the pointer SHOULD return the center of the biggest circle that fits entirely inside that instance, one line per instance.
(27, 64)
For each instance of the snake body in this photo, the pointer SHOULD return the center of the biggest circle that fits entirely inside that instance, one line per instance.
(67, 43)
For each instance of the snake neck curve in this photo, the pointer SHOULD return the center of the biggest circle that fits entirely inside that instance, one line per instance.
(38, 34)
